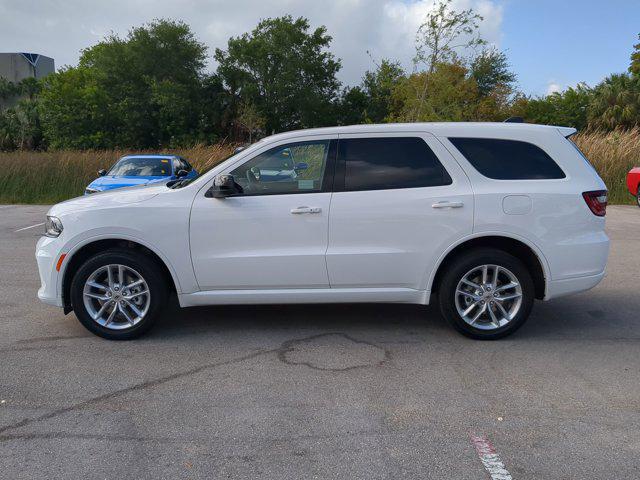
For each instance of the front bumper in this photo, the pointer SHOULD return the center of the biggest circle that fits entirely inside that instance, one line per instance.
(47, 254)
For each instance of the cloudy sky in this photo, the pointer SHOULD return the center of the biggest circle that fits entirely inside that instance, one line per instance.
(550, 43)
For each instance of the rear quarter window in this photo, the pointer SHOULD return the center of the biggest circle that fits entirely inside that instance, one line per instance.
(508, 159)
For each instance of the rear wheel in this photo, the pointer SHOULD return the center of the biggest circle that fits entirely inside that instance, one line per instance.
(638, 196)
(118, 294)
(486, 294)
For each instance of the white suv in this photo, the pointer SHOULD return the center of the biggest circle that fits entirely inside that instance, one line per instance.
(485, 217)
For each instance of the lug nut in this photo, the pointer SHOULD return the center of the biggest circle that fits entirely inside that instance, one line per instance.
(495, 294)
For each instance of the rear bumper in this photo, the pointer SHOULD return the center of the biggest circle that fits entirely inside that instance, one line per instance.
(569, 286)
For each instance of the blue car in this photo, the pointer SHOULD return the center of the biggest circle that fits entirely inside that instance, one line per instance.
(142, 169)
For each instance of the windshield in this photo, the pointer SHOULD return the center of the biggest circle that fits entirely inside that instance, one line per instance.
(142, 166)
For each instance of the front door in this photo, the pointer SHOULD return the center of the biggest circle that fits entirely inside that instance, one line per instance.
(400, 200)
(274, 234)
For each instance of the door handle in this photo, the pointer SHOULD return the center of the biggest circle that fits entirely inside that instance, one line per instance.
(300, 210)
(448, 205)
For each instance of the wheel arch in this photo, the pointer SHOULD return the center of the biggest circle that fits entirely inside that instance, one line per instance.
(82, 251)
(519, 248)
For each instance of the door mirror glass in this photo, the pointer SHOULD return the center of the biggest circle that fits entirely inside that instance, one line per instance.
(181, 173)
(102, 172)
(301, 166)
(224, 186)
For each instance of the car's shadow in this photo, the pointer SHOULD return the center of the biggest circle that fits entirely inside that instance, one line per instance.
(298, 317)
(589, 315)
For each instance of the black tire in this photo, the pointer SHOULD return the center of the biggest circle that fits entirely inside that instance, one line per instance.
(638, 196)
(146, 267)
(464, 264)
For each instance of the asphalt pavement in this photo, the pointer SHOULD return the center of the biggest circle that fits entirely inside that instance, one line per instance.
(321, 391)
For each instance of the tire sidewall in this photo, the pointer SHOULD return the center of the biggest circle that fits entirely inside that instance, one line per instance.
(462, 266)
(145, 267)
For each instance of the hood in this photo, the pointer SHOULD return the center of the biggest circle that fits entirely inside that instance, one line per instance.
(110, 198)
(109, 182)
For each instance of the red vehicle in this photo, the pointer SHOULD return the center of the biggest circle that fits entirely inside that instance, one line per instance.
(633, 181)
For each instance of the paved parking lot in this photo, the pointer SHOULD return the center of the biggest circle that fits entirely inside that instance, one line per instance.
(339, 391)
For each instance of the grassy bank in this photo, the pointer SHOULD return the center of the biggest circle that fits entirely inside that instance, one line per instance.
(613, 155)
(50, 177)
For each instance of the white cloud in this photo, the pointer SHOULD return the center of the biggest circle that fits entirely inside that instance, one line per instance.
(553, 87)
(386, 28)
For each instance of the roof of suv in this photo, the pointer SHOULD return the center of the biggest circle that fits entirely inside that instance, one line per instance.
(436, 128)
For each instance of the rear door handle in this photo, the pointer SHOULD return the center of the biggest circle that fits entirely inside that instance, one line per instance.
(448, 205)
(300, 210)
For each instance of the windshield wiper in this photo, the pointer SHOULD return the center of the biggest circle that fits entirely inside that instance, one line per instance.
(179, 183)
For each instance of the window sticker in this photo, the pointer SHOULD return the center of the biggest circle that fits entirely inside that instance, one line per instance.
(305, 184)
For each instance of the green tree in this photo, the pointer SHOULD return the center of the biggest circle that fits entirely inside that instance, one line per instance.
(453, 96)
(352, 106)
(75, 111)
(616, 103)
(378, 85)
(567, 108)
(490, 69)
(634, 68)
(250, 120)
(370, 102)
(285, 71)
(440, 40)
(139, 92)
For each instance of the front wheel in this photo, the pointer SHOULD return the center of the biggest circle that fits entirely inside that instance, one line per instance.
(486, 294)
(118, 294)
(638, 196)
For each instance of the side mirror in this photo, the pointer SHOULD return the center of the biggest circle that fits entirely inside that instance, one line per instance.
(181, 173)
(223, 186)
(102, 172)
(301, 166)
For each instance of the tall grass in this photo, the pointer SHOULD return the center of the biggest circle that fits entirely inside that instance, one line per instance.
(49, 177)
(613, 155)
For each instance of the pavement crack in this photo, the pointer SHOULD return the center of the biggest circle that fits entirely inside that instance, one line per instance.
(374, 356)
(332, 352)
(139, 386)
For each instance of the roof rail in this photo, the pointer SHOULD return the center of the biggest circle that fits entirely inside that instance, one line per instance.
(514, 120)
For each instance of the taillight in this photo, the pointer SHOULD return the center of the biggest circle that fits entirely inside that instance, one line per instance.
(596, 201)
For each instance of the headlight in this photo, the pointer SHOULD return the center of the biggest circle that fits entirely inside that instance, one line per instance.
(88, 191)
(53, 227)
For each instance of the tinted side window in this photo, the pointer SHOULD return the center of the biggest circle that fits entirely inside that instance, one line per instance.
(508, 159)
(390, 162)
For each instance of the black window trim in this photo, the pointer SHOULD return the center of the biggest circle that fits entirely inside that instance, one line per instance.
(340, 181)
(329, 169)
(562, 179)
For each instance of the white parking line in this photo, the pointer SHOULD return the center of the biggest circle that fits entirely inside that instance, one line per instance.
(489, 458)
(27, 228)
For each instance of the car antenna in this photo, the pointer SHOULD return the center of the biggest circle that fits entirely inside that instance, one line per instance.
(514, 120)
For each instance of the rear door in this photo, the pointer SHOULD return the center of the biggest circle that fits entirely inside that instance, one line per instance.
(399, 201)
